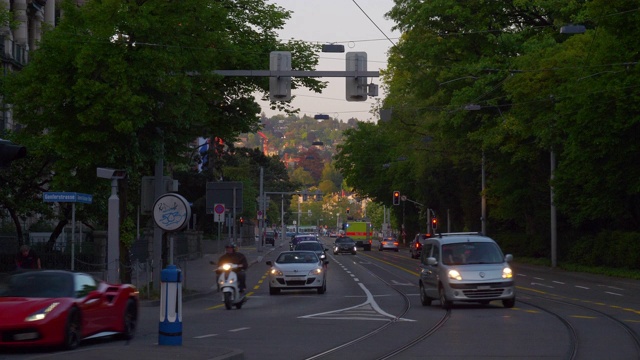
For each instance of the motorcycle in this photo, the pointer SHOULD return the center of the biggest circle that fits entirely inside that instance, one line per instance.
(228, 284)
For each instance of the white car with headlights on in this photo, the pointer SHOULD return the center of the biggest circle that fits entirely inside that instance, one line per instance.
(297, 270)
(465, 267)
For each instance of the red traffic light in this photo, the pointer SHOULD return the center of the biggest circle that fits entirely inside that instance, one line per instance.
(396, 198)
(434, 223)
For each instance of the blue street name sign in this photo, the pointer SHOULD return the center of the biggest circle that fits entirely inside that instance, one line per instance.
(73, 197)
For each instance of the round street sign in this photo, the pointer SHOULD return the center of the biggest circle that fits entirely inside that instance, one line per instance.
(404, 197)
(219, 209)
(171, 212)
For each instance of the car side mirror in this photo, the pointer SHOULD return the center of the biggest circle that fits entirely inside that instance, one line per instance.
(508, 258)
(432, 261)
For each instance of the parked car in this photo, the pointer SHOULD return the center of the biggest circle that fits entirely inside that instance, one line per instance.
(60, 308)
(415, 247)
(465, 267)
(297, 270)
(270, 237)
(314, 246)
(388, 243)
(344, 244)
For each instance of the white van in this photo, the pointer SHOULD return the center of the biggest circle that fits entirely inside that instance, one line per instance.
(465, 267)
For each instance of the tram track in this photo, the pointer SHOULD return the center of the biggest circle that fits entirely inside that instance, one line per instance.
(406, 307)
(574, 348)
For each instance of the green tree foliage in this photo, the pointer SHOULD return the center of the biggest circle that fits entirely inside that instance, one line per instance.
(121, 84)
(499, 79)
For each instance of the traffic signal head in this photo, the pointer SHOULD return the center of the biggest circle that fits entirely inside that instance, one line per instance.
(356, 86)
(396, 198)
(280, 86)
(9, 152)
(434, 223)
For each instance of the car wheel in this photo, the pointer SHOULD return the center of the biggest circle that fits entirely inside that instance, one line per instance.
(424, 299)
(72, 330)
(509, 303)
(273, 291)
(130, 320)
(322, 289)
(444, 303)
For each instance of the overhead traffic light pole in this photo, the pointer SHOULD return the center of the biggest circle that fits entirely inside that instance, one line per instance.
(280, 75)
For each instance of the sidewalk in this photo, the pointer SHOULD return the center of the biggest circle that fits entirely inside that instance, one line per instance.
(199, 280)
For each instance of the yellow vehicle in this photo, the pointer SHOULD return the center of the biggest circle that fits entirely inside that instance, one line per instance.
(361, 232)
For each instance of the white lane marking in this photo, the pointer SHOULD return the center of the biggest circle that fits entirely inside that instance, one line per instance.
(582, 287)
(205, 336)
(239, 329)
(538, 278)
(558, 282)
(361, 311)
(394, 282)
(543, 285)
(612, 293)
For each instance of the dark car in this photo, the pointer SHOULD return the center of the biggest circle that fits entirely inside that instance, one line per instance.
(302, 237)
(344, 244)
(415, 247)
(314, 246)
(270, 237)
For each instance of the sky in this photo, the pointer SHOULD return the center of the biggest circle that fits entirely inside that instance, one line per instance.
(352, 23)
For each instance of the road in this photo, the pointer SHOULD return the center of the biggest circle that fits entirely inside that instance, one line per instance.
(372, 310)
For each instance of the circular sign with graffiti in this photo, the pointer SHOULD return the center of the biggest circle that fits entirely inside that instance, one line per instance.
(171, 212)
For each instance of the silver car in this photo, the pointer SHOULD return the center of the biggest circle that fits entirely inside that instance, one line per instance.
(388, 243)
(465, 267)
(297, 270)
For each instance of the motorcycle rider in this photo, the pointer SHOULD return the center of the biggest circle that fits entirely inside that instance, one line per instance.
(233, 256)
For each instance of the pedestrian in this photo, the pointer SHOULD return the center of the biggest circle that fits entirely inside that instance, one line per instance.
(27, 258)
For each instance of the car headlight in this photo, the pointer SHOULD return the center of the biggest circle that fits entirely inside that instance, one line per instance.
(316, 271)
(276, 272)
(507, 273)
(42, 313)
(454, 274)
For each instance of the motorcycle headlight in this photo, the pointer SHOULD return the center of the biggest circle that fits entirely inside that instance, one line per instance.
(42, 313)
(507, 273)
(226, 267)
(322, 256)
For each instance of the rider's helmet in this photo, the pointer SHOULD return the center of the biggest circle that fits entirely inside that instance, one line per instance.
(231, 246)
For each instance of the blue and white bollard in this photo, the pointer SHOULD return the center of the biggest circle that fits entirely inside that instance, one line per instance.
(170, 329)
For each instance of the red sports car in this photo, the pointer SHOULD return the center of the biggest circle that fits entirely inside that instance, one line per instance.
(60, 308)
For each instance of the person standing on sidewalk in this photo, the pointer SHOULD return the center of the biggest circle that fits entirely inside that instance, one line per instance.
(27, 258)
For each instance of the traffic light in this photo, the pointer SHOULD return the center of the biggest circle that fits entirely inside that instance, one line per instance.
(434, 223)
(9, 152)
(280, 86)
(396, 198)
(356, 86)
(241, 221)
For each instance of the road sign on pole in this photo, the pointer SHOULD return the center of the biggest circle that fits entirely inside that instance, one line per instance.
(218, 210)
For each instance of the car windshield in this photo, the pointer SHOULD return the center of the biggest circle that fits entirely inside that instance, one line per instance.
(344, 240)
(471, 253)
(312, 246)
(37, 285)
(297, 257)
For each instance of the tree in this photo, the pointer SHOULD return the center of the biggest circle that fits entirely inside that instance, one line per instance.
(123, 84)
